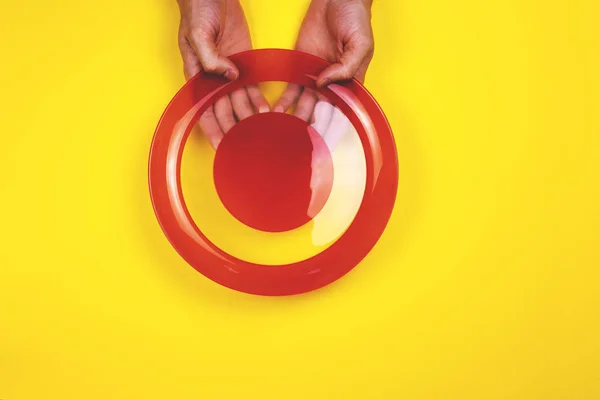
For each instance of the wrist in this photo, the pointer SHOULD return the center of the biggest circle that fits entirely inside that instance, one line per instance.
(203, 2)
(366, 3)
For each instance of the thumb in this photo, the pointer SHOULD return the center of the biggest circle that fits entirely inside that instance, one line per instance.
(346, 68)
(210, 59)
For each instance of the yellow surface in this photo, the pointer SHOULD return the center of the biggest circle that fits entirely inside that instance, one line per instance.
(485, 286)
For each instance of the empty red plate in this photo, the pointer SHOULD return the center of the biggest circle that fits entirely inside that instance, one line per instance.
(275, 172)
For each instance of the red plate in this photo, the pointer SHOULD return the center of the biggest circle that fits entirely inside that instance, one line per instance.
(246, 193)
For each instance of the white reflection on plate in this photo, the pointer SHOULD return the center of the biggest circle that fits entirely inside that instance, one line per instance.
(349, 174)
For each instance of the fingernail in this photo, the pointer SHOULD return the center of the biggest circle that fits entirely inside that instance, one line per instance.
(325, 82)
(230, 74)
(264, 109)
(278, 109)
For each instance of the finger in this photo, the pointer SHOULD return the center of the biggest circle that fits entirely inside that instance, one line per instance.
(323, 113)
(191, 65)
(224, 114)
(337, 128)
(306, 105)
(258, 99)
(206, 51)
(210, 127)
(288, 98)
(241, 104)
(361, 73)
(320, 98)
(351, 60)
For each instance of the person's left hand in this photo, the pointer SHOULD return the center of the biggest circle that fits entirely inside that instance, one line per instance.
(340, 32)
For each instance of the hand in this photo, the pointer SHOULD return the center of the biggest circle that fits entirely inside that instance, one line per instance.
(209, 32)
(340, 32)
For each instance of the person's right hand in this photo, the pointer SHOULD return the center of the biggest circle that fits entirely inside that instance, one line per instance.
(209, 32)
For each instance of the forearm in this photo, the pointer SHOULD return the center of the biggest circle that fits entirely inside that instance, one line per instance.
(223, 3)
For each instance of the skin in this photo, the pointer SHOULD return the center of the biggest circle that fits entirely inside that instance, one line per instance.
(338, 31)
(209, 32)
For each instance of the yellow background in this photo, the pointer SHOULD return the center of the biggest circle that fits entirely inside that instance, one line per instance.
(485, 285)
